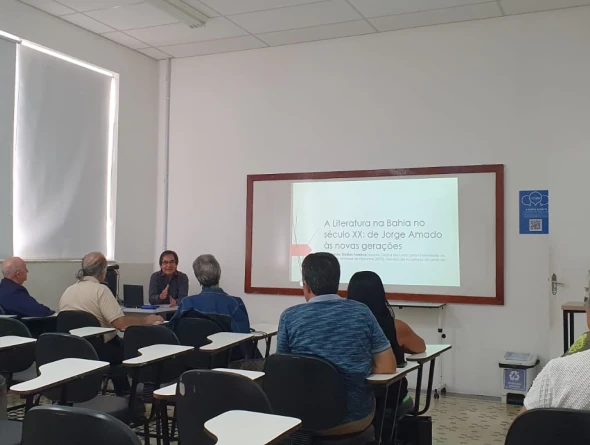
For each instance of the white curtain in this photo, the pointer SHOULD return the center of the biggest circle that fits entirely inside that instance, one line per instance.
(62, 166)
(7, 84)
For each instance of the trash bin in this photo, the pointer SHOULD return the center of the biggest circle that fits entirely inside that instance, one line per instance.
(519, 370)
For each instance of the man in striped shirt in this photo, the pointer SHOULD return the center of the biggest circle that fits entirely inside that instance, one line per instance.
(341, 331)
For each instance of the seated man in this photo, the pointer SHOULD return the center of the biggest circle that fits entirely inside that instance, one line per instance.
(213, 300)
(89, 295)
(563, 381)
(342, 331)
(14, 297)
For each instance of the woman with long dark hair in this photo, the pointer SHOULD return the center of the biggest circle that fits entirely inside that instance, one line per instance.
(367, 287)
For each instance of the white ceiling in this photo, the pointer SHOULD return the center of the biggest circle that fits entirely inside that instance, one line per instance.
(236, 25)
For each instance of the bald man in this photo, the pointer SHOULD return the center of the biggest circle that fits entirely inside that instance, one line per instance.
(14, 298)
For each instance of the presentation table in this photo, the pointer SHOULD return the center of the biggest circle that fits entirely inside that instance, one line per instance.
(569, 309)
(250, 428)
(387, 380)
(430, 355)
(56, 374)
(160, 310)
(265, 331)
(441, 386)
(91, 331)
(13, 341)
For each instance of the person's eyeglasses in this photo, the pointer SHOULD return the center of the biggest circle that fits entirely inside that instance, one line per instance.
(168, 263)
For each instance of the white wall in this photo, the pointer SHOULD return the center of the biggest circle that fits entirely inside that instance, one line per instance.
(138, 121)
(464, 93)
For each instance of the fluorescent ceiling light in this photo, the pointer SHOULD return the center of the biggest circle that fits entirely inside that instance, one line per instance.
(181, 11)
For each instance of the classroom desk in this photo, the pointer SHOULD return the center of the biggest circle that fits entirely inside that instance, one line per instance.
(156, 353)
(91, 331)
(569, 309)
(222, 341)
(442, 387)
(387, 380)
(7, 316)
(249, 428)
(430, 355)
(265, 331)
(160, 310)
(13, 341)
(55, 374)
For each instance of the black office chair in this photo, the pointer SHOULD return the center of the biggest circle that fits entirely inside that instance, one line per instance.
(222, 392)
(551, 426)
(16, 364)
(194, 332)
(2, 311)
(64, 425)
(84, 393)
(311, 389)
(40, 326)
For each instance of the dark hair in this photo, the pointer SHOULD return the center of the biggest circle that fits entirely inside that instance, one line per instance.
(367, 288)
(166, 253)
(321, 272)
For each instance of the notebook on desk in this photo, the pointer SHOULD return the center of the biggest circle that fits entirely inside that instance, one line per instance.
(132, 295)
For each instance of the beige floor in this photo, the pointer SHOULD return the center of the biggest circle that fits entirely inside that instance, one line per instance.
(456, 420)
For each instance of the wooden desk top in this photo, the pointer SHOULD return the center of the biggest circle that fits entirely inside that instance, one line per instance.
(155, 353)
(13, 341)
(388, 379)
(249, 428)
(264, 330)
(574, 306)
(224, 340)
(416, 304)
(161, 309)
(432, 352)
(58, 373)
(91, 331)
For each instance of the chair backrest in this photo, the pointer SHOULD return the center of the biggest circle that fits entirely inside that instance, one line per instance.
(2, 311)
(222, 392)
(137, 337)
(552, 426)
(306, 387)
(17, 359)
(194, 332)
(56, 346)
(68, 320)
(64, 425)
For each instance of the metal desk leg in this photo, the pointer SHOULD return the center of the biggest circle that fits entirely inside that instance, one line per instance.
(268, 342)
(565, 332)
(380, 416)
(164, 420)
(416, 409)
(572, 339)
(429, 390)
(28, 402)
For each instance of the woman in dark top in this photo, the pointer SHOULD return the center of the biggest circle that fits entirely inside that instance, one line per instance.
(367, 288)
(168, 285)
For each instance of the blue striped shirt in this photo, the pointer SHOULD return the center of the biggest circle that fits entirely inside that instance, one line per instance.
(345, 333)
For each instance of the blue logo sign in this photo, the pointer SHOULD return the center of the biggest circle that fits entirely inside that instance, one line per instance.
(534, 212)
(515, 379)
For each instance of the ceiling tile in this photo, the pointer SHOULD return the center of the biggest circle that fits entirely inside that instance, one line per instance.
(141, 15)
(378, 8)
(314, 14)
(317, 33)
(524, 6)
(154, 53)
(228, 7)
(214, 46)
(124, 39)
(215, 28)
(90, 5)
(87, 23)
(202, 7)
(49, 6)
(438, 16)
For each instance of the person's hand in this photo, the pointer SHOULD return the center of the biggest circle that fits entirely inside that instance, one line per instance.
(153, 319)
(164, 293)
(173, 302)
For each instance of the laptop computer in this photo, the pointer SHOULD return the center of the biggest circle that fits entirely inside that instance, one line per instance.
(132, 295)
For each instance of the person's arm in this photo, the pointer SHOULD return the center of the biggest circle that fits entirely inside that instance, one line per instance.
(410, 342)
(240, 319)
(383, 358)
(29, 307)
(283, 336)
(124, 322)
(154, 294)
(384, 362)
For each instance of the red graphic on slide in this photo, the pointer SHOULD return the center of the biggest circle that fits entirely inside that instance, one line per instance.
(300, 250)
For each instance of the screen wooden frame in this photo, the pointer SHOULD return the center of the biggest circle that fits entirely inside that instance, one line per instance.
(497, 169)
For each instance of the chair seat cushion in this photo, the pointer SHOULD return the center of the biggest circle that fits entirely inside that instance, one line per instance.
(10, 432)
(117, 407)
(363, 438)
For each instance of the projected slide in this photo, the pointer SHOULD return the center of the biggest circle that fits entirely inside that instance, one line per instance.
(406, 230)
